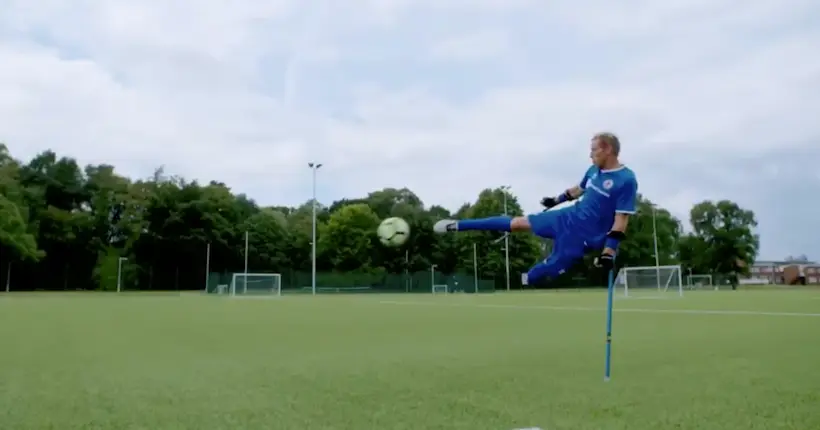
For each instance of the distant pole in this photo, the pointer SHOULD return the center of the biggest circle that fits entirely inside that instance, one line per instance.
(314, 167)
(432, 275)
(657, 257)
(246, 255)
(505, 189)
(8, 278)
(207, 266)
(407, 270)
(119, 273)
(475, 266)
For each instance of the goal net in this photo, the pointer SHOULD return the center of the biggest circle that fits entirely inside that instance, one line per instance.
(700, 282)
(438, 289)
(257, 284)
(650, 281)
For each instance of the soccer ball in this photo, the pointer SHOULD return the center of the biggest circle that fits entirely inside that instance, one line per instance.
(393, 231)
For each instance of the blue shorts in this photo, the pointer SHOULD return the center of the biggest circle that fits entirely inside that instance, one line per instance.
(554, 224)
(549, 224)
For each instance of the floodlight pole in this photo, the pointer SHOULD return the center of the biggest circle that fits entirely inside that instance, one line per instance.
(207, 265)
(313, 167)
(475, 266)
(432, 275)
(119, 273)
(505, 189)
(655, 240)
(8, 277)
(246, 255)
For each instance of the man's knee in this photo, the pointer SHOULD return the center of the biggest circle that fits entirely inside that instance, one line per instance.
(520, 223)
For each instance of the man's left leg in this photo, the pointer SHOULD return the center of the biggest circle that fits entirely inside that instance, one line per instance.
(566, 251)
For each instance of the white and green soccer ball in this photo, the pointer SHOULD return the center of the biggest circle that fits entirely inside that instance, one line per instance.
(393, 231)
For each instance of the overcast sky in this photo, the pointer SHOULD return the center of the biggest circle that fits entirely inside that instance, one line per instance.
(711, 98)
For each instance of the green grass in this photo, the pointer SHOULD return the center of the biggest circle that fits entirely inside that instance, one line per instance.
(87, 361)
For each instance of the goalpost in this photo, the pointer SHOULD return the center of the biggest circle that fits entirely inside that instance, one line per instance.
(441, 289)
(650, 281)
(256, 284)
(699, 282)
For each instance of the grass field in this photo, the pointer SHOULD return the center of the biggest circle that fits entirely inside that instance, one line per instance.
(711, 360)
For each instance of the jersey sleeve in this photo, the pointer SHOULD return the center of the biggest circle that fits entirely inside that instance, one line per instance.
(587, 174)
(626, 198)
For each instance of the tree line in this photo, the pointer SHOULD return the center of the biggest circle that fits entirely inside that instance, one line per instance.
(67, 227)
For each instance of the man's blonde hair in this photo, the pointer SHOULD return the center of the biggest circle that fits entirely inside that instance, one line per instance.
(611, 140)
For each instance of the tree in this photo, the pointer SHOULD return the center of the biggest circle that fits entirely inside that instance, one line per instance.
(722, 241)
(695, 256)
(15, 241)
(348, 239)
(648, 222)
(59, 211)
(268, 241)
(300, 229)
(182, 219)
(393, 202)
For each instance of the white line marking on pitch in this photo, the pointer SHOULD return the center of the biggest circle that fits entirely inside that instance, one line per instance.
(587, 309)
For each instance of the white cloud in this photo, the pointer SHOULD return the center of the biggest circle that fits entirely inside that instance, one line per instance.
(701, 92)
(474, 46)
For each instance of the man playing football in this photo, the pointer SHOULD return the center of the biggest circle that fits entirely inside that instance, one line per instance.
(599, 220)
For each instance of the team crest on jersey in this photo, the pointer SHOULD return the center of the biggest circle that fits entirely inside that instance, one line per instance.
(608, 184)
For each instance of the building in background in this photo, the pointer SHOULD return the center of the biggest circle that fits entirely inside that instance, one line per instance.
(781, 272)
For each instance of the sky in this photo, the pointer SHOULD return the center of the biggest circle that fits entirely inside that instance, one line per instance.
(712, 99)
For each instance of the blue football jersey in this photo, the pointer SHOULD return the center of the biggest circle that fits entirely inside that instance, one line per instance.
(606, 192)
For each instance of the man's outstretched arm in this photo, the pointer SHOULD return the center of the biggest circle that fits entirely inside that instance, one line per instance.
(570, 193)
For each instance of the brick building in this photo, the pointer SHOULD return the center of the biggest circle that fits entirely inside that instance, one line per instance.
(772, 272)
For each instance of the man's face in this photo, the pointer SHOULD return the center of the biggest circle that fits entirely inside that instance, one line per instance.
(597, 153)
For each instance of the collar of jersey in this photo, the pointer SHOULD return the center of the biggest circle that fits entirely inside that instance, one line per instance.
(622, 166)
